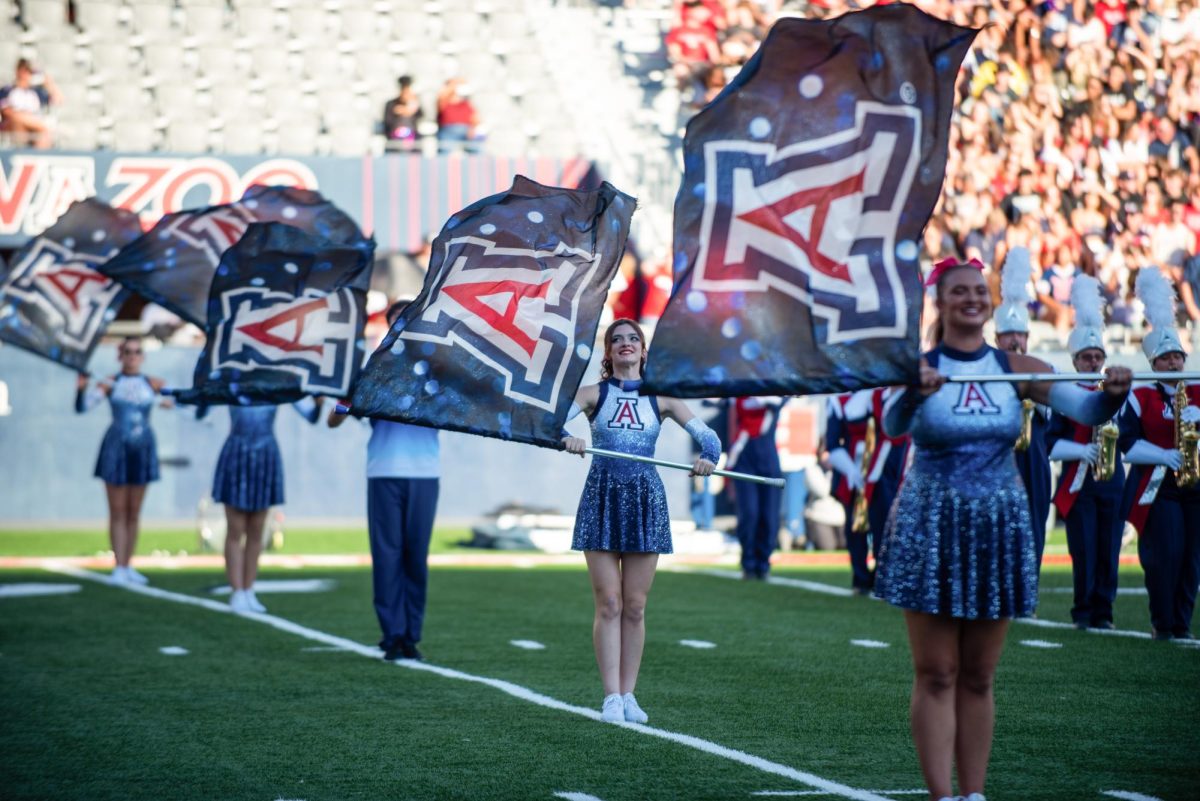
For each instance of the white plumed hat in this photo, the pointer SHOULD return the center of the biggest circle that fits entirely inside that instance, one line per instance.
(1155, 292)
(1089, 315)
(1013, 314)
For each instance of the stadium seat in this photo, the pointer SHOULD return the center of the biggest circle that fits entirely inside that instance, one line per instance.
(206, 23)
(256, 21)
(112, 59)
(47, 17)
(296, 140)
(186, 137)
(100, 19)
(242, 138)
(312, 24)
(507, 142)
(153, 21)
(132, 134)
(364, 26)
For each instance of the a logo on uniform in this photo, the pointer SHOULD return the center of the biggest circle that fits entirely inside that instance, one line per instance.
(626, 415)
(513, 309)
(311, 336)
(64, 286)
(974, 399)
(816, 220)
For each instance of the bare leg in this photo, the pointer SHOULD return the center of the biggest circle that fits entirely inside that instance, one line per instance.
(235, 529)
(982, 642)
(117, 538)
(254, 543)
(133, 514)
(935, 652)
(637, 574)
(605, 572)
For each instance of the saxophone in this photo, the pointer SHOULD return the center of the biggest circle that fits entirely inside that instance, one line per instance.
(1105, 436)
(1187, 441)
(1026, 436)
(861, 521)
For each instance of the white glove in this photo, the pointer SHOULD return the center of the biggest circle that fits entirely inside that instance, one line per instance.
(1144, 452)
(1068, 451)
(840, 461)
(1191, 414)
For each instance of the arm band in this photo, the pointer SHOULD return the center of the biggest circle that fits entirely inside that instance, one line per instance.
(86, 399)
(706, 438)
(1083, 405)
(900, 410)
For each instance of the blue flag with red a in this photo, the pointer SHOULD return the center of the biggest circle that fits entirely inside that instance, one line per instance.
(286, 318)
(53, 302)
(807, 183)
(173, 263)
(498, 340)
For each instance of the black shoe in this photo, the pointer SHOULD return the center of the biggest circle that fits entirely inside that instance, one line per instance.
(1182, 634)
(1155, 634)
(1105, 625)
(1079, 624)
(408, 650)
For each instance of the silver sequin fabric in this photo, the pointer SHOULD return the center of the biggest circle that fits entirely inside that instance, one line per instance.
(129, 451)
(623, 507)
(959, 541)
(249, 474)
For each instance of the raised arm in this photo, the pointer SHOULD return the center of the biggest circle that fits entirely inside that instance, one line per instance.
(1067, 398)
(705, 437)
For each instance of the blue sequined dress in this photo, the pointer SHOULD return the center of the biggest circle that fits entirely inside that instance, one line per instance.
(959, 541)
(250, 470)
(129, 452)
(624, 506)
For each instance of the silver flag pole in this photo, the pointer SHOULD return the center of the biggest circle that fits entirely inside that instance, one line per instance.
(1044, 377)
(774, 482)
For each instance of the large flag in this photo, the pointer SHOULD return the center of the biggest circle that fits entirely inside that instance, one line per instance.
(52, 300)
(498, 340)
(807, 183)
(173, 264)
(285, 319)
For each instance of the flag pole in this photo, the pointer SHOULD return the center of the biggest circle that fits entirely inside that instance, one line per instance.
(774, 482)
(1044, 377)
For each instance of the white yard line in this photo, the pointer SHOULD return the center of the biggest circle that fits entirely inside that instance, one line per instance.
(831, 589)
(789, 793)
(1129, 796)
(515, 690)
(576, 797)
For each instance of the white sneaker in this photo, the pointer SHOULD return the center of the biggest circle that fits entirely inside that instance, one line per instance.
(136, 577)
(633, 712)
(974, 797)
(238, 602)
(119, 575)
(252, 602)
(613, 710)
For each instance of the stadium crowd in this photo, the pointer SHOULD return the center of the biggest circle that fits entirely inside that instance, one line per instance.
(1076, 134)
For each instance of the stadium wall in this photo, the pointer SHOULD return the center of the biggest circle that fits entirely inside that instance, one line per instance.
(48, 454)
(399, 198)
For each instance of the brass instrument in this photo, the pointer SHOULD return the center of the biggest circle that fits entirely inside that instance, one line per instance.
(1105, 436)
(1187, 441)
(1026, 426)
(861, 522)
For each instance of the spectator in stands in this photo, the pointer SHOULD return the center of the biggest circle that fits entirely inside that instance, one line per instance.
(401, 115)
(457, 119)
(25, 104)
(692, 49)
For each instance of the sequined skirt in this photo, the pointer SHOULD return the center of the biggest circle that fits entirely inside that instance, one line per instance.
(625, 512)
(966, 555)
(127, 460)
(249, 474)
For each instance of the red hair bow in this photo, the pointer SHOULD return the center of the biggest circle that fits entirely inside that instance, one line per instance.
(949, 264)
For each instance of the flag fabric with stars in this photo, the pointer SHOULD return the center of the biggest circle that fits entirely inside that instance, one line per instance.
(173, 263)
(499, 337)
(52, 300)
(285, 319)
(807, 183)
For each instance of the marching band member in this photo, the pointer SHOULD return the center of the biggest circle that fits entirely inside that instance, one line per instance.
(1162, 495)
(128, 459)
(249, 481)
(958, 555)
(845, 439)
(1012, 335)
(753, 451)
(1093, 478)
(622, 524)
(885, 472)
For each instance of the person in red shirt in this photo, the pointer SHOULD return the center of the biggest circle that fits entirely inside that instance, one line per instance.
(456, 118)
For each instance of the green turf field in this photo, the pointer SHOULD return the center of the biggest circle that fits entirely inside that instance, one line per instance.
(93, 710)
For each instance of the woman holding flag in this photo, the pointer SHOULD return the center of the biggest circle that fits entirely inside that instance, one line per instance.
(958, 555)
(128, 459)
(622, 524)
